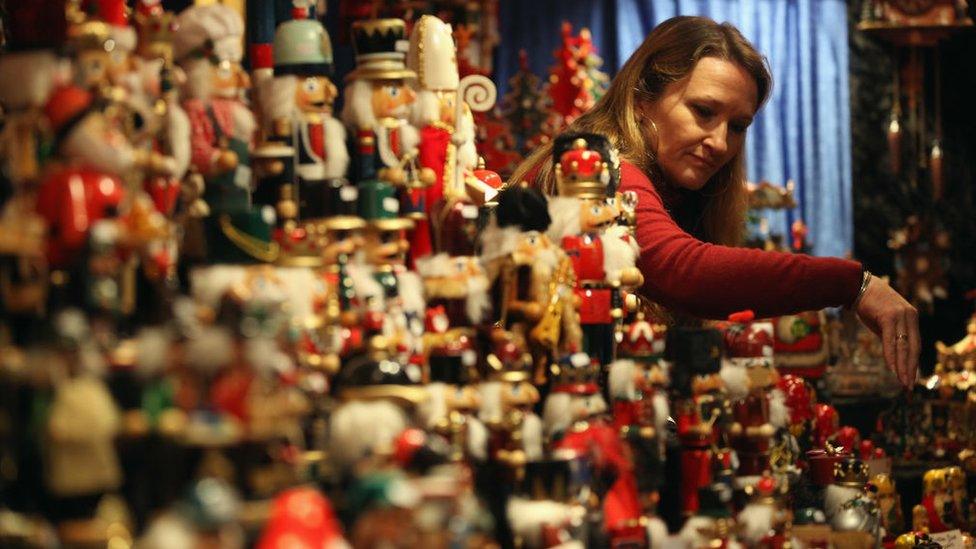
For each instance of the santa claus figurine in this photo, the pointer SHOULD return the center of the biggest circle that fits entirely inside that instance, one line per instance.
(935, 513)
(298, 101)
(638, 390)
(703, 413)
(584, 225)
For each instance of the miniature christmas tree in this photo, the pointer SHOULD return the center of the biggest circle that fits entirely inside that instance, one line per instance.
(521, 105)
(586, 54)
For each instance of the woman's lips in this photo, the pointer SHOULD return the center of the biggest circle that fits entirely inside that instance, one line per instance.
(701, 161)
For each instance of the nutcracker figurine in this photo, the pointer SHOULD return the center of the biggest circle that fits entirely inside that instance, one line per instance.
(826, 422)
(713, 524)
(762, 520)
(749, 347)
(889, 505)
(798, 399)
(531, 278)
(452, 404)
(936, 511)
(546, 510)
(379, 396)
(300, 104)
(208, 45)
(574, 419)
(377, 103)
(700, 407)
(584, 225)
(30, 69)
(80, 200)
(638, 390)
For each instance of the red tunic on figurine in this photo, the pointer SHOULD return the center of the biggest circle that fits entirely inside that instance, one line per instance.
(71, 200)
(600, 441)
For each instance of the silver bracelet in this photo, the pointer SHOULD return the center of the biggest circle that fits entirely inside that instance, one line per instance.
(864, 286)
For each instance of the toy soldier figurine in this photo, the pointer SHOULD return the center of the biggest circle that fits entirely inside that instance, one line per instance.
(208, 45)
(638, 388)
(545, 509)
(301, 108)
(84, 193)
(749, 348)
(531, 278)
(377, 103)
(584, 226)
(700, 409)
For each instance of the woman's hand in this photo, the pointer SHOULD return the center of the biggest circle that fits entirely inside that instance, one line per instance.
(895, 321)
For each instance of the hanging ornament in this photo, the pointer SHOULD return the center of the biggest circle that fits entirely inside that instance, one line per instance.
(935, 155)
(894, 129)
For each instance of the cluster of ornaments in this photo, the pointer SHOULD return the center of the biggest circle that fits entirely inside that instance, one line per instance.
(234, 317)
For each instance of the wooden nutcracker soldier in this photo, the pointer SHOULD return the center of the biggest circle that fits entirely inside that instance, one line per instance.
(762, 519)
(301, 108)
(379, 396)
(531, 278)
(701, 410)
(30, 68)
(574, 419)
(208, 46)
(545, 510)
(713, 524)
(586, 169)
(377, 104)
(453, 400)
(638, 390)
(84, 193)
(749, 347)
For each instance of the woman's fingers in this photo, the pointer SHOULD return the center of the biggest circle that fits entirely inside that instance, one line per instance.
(888, 344)
(901, 348)
(914, 344)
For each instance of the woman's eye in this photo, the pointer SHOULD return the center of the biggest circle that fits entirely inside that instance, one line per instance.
(739, 128)
(702, 110)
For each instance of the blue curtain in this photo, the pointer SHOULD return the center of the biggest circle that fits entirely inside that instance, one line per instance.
(803, 132)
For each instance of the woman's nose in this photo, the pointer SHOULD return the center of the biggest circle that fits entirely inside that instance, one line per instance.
(717, 140)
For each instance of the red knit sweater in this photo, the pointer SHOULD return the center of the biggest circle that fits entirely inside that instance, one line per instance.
(687, 275)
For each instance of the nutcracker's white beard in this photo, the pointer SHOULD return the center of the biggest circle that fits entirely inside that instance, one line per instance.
(756, 520)
(618, 254)
(491, 401)
(26, 78)
(532, 437)
(661, 413)
(477, 302)
(426, 109)
(357, 109)
(778, 413)
(621, 380)
(108, 152)
(736, 379)
(562, 409)
(361, 429)
(565, 214)
(528, 517)
(199, 79)
(434, 408)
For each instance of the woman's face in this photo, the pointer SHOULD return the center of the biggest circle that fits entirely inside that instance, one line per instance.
(701, 121)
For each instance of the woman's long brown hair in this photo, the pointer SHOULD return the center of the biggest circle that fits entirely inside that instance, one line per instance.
(668, 54)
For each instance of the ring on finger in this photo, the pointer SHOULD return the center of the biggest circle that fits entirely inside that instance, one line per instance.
(901, 337)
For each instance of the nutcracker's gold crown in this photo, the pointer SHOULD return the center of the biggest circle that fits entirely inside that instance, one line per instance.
(850, 472)
(582, 172)
(155, 33)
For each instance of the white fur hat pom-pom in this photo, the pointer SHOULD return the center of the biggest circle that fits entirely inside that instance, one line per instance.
(211, 349)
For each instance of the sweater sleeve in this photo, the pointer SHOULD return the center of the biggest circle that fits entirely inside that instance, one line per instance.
(711, 281)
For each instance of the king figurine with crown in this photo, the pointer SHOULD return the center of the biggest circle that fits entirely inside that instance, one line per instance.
(584, 223)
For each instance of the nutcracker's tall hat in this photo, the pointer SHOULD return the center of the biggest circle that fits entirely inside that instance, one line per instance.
(576, 374)
(586, 165)
(642, 339)
(381, 50)
(693, 352)
(432, 55)
(302, 46)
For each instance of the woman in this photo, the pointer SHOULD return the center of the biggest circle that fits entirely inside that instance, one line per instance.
(678, 112)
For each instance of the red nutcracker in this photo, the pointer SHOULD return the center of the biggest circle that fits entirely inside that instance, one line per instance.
(584, 223)
(638, 389)
(700, 406)
(749, 346)
(798, 398)
(826, 422)
(302, 517)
